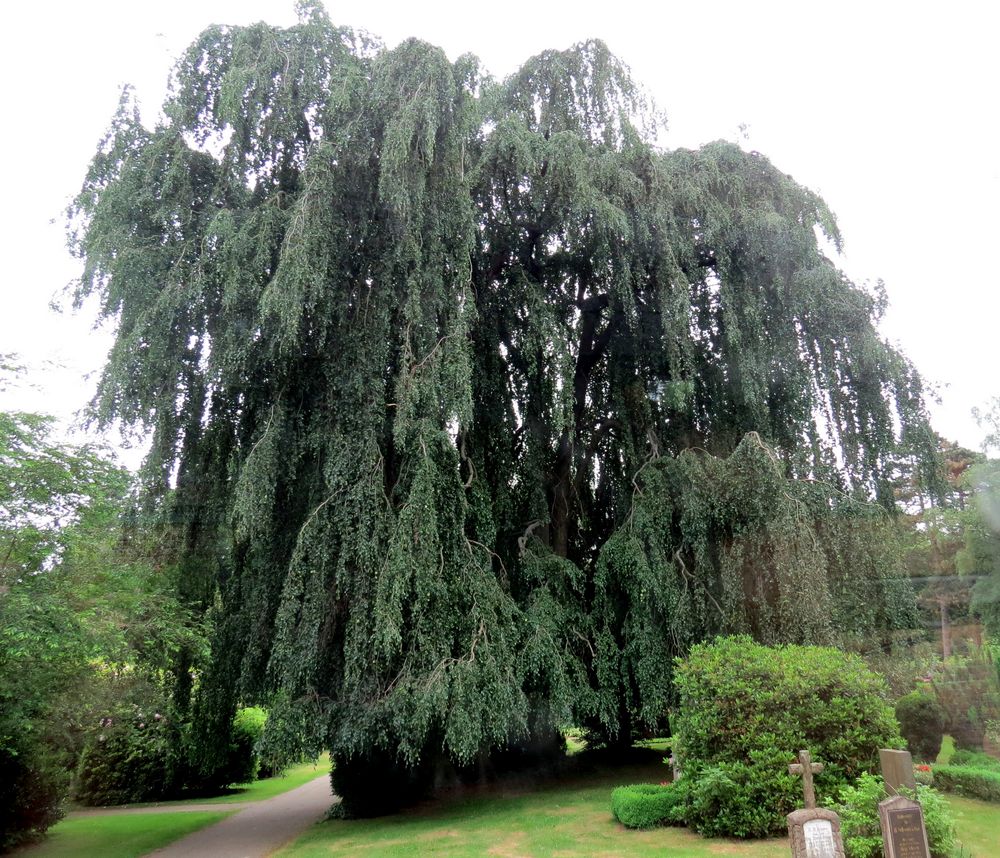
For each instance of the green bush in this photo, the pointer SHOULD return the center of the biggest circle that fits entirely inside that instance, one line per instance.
(649, 805)
(742, 799)
(969, 781)
(744, 712)
(128, 761)
(975, 760)
(31, 790)
(922, 722)
(859, 820)
(244, 761)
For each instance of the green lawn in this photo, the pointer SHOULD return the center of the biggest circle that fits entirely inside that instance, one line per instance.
(569, 819)
(978, 825)
(269, 787)
(257, 791)
(947, 749)
(124, 835)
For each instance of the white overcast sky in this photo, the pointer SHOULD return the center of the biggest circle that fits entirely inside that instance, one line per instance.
(888, 110)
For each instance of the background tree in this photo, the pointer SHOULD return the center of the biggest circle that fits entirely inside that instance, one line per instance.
(934, 524)
(980, 556)
(474, 405)
(85, 620)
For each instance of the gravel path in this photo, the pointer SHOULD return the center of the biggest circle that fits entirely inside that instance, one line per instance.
(260, 828)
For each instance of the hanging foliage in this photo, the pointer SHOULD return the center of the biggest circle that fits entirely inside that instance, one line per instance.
(477, 407)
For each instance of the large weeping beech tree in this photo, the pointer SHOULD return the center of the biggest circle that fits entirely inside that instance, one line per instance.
(471, 406)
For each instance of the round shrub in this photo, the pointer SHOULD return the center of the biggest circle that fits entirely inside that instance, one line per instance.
(922, 722)
(649, 805)
(745, 710)
(861, 829)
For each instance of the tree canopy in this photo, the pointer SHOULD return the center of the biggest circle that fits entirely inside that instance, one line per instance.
(474, 405)
(86, 620)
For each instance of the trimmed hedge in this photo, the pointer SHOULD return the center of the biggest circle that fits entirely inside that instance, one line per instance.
(974, 760)
(922, 721)
(968, 781)
(649, 805)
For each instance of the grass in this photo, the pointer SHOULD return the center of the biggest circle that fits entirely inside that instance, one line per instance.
(572, 818)
(296, 776)
(125, 835)
(947, 749)
(978, 823)
(132, 834)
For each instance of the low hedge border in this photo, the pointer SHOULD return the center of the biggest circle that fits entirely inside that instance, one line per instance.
(974, 760)
(648, 805)
(968, 781)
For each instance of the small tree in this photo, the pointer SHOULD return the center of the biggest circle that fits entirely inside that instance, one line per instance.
(922, 721)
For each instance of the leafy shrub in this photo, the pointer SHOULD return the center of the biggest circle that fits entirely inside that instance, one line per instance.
(982, 783)
(31, 790)
(975, 760)
(129, 760)
(744, 712)
(244, 761)
(922, 722)
(859, 821)
(649, 805)
(743, 799)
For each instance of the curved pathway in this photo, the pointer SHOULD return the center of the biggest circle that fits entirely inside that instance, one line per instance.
(258, 829)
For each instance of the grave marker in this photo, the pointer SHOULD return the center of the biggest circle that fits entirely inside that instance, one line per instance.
(813, 832)
(807, 768)
(897, 770)
(903, 831)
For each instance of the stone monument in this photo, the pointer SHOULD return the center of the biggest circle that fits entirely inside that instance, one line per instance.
(813, 832)
(897, 770)
(903, 831)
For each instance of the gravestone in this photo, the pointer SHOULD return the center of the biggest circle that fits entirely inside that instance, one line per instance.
(903, 831)
(897, 770)
(813, 832)
(675, 767)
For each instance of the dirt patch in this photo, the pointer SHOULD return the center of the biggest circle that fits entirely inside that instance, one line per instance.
(439, 834)
(511, 846)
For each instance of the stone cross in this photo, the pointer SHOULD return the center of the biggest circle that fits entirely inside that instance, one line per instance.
(807, 768)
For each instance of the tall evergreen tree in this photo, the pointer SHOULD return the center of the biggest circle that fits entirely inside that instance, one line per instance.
(479, 406)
